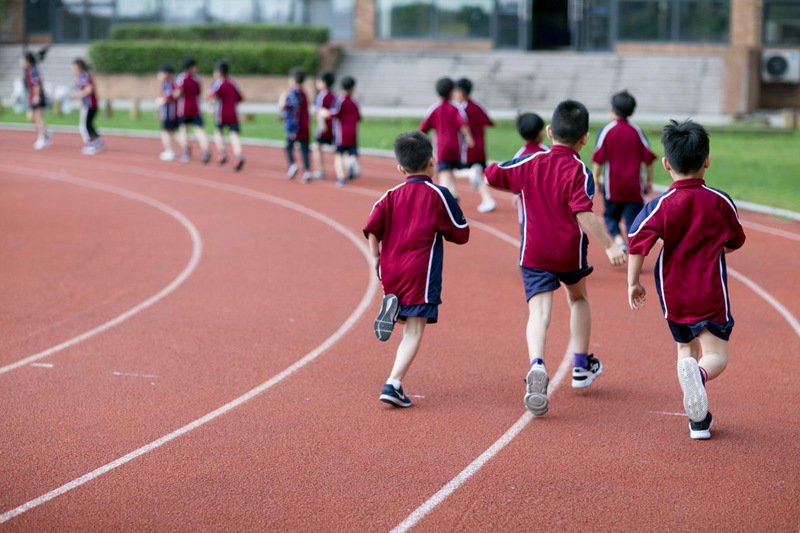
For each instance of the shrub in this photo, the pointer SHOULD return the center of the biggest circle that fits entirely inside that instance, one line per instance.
(144, 57)
(221, 32)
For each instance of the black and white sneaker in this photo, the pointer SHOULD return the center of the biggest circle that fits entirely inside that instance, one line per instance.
(292, 172)
(695, 399)
(536, 393)
(239, 164)
(387, 317)
(583, 377)
(701, 430)
(206, 157)
(395, 397)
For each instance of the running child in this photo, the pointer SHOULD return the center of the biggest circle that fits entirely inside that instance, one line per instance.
(478, 119)
(226, 96)
(530, 127)
(622, 148)
(453, 136)
(294, 113)
(187, 93)
(322, 106)
(87, 92)
(167, 110)
(556, 191)
(37, 102)
(699, 227)
(406, 229)
(346, 117)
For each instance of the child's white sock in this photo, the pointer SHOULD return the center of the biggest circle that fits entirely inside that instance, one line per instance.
(393, 382)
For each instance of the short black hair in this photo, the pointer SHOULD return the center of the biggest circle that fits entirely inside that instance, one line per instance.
(348, 83)
(328, 78)
(298, 75)
(623, 103)
(570, 122)
(30, 58)
(222, 67)
(189, 62)
(686, 146)
(444, 87)
(413, 150)
(81, 64)
(166, 67)
(529, 125)
(464, 85)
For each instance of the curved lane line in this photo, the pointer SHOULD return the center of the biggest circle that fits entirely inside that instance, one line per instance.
(197, 251)
(354, 317)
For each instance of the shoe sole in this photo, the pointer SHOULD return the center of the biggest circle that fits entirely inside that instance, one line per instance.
(583, 383)
(536, 401)
(703, 434)
(695, 399)
(238, 166)
(387, 317)
(391, 400)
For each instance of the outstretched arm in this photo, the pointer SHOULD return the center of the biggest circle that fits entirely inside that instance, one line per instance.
(592, 225)
(636, 292)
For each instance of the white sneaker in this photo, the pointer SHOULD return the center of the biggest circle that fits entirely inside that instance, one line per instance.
(167, 156)
(487, 206)
(292, 172)
(695, 399)
(536, 396)
(89, 150)
(39, 144)
(99, 144)
(355, 170)
(476, 175)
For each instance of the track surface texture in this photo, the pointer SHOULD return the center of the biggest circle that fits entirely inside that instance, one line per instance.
(280, 273)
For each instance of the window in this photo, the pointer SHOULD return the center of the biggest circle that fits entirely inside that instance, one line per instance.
(703, 21)
(405, 18)
(137, 11)
(460, 19)
(337, 15)
(434, 19)
(781, 22)
(230, 11)
(644, 20)
(184, 11)
(697, 21)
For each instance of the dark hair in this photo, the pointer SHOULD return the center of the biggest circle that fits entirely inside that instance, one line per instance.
(686, 146)
(444, 87)
(623, 104)
(348, 83)
(529, 126)
(464, 85)
(189, 62)
(30, 58)
(570, 122)
(222, 67)
(81, 64)
(413, 150)
(298, 75)
(166, 67)
(328, 78)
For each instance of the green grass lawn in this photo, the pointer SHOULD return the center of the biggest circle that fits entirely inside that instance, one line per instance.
(759, 167)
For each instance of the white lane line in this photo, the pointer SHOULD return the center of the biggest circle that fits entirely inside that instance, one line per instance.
(197, 251)
(354, 317)
(771, 300)
(43, 365)
(133, 375)
(769, 229)
(667, 413)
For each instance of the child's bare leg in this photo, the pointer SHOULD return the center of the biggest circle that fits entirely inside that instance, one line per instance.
(409, 346)
(540, 306)
(316, 152)
(219, 141)
(715, 354)
(446, 179)
(486, 195)
(183, 137)
(38, 119)
(339, 167)
(236, 143)
(692, 349)
(166, 140)
(202, 138)
(580, 319)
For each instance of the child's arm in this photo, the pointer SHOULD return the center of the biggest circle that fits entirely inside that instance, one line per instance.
(452, 223)
(592, 225)
(375, 250)
(636, 291)
(597, 172)
(467, 133)
(648, 186)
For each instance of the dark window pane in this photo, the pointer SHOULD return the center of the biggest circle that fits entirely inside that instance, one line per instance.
(37, 13)
(405, 18)
(508, 20)
(640, 20)
(337, 15)
(276, 11)
(597, 25)
(464, 19)
(703, 21)
(186, 11)
(782, 23)
(100, 21)
(69, 22)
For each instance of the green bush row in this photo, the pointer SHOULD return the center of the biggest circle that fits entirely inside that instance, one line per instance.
(221, 32)
(145, 57)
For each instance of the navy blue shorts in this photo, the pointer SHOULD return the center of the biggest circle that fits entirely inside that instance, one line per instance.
(352, 150)
(42, 103)
(429, 311)
(231, 127)
(449, 165)
(685, 333)
(169, 125)
(326, 142)
(197, 121)
(537, 281)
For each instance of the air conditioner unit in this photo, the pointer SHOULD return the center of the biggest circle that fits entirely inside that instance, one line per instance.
(780, 66)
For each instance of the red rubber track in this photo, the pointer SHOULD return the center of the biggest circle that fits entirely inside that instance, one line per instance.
(318, 451)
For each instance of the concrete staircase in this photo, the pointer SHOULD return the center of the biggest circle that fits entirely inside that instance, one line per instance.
(680, 86)
(56, 69)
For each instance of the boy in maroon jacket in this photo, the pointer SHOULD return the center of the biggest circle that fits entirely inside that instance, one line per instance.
(406, 230)
(699, 226)
(556, 191)
(346, 117)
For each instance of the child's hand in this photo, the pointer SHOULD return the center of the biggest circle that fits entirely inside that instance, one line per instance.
(648, 188)
(637, 295)
(615, 255)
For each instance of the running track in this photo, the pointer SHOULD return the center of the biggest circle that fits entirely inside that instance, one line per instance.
(250, 283)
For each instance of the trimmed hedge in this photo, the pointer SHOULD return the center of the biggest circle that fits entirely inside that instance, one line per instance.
(144, 57)
(221, 32)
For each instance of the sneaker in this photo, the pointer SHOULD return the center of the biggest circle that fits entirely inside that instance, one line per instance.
(39, 144)
(354, 171)
(292, 172)
(475, 175)
(239, 164)
(536, 396)
(583, 377)
(167, 156)
(89, 149)
(306, 177)
(487, 207)
(395, 397)
(185, 157)
(701, 430)
(318, 175)
(387, 317)
(695, 399)
(223, 158)
(206, 157)
(99, 144)
(340, 183)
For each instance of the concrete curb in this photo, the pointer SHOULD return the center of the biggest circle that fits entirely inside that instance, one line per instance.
(742, 204)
